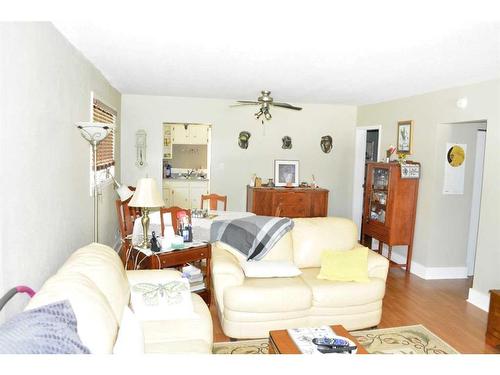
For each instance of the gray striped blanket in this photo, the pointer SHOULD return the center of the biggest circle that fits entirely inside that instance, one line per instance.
(252, 236)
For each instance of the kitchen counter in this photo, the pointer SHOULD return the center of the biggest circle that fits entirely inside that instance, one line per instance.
(196, 179)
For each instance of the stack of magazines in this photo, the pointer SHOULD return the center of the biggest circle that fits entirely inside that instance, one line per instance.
(195, 277)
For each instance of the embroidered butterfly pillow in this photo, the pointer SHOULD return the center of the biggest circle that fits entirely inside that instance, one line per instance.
(170, 299)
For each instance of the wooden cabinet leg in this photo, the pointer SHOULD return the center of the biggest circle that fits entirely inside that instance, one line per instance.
(380, 247)
(389, 253)
(408, 257)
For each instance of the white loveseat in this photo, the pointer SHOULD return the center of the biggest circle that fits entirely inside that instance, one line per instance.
(93, 279)
(251, 307)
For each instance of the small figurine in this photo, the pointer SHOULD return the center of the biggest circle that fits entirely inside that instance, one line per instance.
(155, 245)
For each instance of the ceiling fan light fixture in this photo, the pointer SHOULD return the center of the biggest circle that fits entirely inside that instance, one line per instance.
(258, 114)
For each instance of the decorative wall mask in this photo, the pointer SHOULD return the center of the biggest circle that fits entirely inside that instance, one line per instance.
(287, 142)
(243, 139)
(326, 144)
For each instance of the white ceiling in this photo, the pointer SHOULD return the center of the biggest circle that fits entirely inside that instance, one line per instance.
(362, 52)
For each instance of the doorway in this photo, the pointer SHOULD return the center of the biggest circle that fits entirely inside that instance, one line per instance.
(476, 199)
(367, 148)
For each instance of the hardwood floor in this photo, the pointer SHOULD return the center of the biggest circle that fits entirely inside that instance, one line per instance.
(440, 305)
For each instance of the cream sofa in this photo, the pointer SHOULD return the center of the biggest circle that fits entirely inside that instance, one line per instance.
(251, 307)
(93, 279)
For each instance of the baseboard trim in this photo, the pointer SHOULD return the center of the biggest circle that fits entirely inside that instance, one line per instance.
(479, 299)
(430, 273)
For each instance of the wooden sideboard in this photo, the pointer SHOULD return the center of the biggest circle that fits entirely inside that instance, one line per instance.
(287, 202)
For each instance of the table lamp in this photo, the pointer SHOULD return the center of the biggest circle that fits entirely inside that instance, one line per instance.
(146, 196)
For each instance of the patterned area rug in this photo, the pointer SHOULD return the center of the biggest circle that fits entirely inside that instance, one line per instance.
(402, 340)
(398, 340)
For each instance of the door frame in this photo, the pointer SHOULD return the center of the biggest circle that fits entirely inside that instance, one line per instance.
(359, 170)
(481, 136)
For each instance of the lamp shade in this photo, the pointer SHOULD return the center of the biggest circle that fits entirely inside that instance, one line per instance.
(124, 192)
(146, 194)
(94, 131)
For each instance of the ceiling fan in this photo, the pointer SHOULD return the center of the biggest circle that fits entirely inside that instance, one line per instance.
(265, 101)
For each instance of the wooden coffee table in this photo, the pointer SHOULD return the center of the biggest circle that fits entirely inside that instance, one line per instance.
(281, 343)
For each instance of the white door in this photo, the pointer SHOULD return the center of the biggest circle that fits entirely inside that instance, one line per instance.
(180, 134)
(476, 201)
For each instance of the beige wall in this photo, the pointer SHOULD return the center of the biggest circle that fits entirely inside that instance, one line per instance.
(429, 111)
(46, 206)
(232, 166)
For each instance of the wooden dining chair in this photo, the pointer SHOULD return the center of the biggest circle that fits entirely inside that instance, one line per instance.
(214, 199)
(173, 212)
(126, 216)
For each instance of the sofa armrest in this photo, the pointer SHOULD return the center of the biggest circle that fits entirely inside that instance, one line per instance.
(224, 263)
(378, 265)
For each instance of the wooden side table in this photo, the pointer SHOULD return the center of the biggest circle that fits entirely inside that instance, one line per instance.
(177, 258)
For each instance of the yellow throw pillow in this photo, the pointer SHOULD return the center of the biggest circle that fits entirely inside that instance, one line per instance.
(350, 265)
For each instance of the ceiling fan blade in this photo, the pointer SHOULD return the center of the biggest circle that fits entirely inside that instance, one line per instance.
(286, 105)
(241, 104)
(247, 102)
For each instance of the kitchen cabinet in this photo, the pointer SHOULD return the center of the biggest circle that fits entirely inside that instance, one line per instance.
(190, 134)
(180, 134)
(389, 208)
(184, 193)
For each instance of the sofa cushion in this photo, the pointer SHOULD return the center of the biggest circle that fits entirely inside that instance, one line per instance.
(96, 322)
(282, 250)
(270, 268)
(164, 335)
(103, 266)
(326, 293)
(350, 265)
(268, 295)
(130, 339)
(311, 236)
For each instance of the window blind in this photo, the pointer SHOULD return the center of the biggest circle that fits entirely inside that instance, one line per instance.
(105, 149)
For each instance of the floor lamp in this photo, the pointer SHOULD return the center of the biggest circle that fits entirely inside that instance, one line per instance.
(94, 133)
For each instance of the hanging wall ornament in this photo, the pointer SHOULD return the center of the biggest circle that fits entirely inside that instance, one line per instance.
(243, 139)
(287, 142)
(326, 144)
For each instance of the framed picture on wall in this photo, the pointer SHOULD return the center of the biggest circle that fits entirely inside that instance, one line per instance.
(404, 137)
(286, 173)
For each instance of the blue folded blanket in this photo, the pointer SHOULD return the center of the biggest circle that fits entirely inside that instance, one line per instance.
(252, 236)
